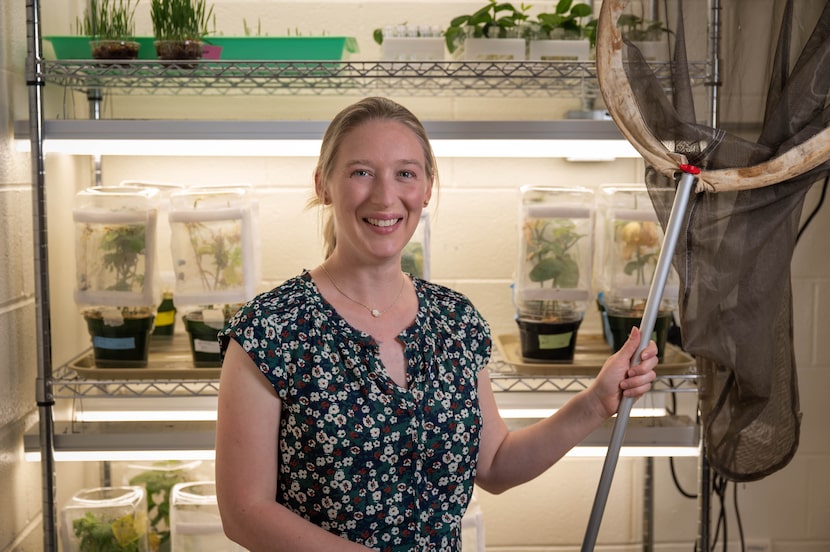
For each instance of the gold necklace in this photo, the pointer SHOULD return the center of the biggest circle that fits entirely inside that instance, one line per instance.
(374, 312)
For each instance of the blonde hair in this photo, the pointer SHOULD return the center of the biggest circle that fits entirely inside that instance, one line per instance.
(367, 109)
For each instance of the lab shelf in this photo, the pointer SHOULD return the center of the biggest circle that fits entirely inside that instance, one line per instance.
(452, 78)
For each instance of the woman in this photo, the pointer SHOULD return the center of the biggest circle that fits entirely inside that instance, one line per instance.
(355, 408)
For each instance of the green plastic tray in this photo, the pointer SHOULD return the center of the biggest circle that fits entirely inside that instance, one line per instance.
(284, 48)
(77, 47)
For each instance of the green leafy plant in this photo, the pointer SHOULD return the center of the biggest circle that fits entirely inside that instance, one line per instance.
(412, 259)
(568, 20)
(180, 19)
(158, 484)
(97, 534)
(494, 20)
(217, 251)
(123, 250)
(551, 261)
(640, 249)
(638, 29)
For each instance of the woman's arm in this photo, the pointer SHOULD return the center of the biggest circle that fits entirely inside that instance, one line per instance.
(507, 459)
(247, 431)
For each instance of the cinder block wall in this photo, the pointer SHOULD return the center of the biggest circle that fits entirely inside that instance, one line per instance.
(473, 248)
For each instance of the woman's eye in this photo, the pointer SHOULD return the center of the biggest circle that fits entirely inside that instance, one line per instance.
(407, 174)
(360, 172)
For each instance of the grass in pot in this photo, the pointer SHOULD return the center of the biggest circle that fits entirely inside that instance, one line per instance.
(110, 26)
(179, 27)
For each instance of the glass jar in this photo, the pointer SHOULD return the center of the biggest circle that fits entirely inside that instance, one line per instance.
(105, 518)
(194, 519)
(554, 269)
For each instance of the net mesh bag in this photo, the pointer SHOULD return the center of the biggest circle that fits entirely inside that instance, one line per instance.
(740, 228)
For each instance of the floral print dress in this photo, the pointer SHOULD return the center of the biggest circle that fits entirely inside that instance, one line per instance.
(360, 456)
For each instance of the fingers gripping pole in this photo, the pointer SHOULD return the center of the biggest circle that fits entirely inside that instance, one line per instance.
(685, 188)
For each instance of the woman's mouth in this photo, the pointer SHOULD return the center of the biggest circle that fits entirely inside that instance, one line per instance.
(382, 223)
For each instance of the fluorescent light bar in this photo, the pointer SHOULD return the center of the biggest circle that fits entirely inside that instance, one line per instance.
(572, 150)
(569, 139)
(146, 409)
(123, 455)
(541, 413)
(631, 452)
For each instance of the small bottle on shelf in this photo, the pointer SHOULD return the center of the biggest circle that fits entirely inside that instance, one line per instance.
(165, 316)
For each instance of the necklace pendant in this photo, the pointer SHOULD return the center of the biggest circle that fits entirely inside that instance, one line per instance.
(376, 313)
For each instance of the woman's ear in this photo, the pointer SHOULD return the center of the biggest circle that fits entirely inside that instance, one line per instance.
(428, 194)
(320, 189)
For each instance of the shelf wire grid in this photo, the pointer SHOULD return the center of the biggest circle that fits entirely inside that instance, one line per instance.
(68, 384)
(414, 78)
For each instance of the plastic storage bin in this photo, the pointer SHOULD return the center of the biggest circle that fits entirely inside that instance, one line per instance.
(195, 524)
(158, 479)
(554, 269)
(115, 245)
(214, 245)
(105, 518)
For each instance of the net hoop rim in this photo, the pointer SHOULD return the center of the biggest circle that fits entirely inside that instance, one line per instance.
(622, 106)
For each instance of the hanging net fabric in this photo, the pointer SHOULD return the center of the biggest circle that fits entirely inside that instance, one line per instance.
(740, 228)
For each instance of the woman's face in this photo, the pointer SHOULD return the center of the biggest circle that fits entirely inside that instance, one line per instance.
(377, 190)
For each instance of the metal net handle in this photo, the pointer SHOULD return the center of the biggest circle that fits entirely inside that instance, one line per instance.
(622, 105)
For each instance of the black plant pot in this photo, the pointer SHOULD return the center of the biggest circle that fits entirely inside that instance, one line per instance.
(620, 328)
(548, 341)
(204, 343)
(124, 346)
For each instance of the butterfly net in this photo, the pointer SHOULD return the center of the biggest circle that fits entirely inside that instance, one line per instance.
(758, 160)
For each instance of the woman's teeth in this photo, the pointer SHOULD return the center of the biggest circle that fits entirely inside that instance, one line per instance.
(382, 222)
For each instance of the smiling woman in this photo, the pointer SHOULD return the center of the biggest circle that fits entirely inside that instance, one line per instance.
(375, 415)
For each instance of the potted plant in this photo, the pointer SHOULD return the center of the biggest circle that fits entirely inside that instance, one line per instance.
(567, 33)
(115, 243)
(493, 32)
(215, 259)
(105, 519)
(648, 35)
(415, 256)
(110, 26)
(410, 42)
(554, 270)
(179, 27)
(158, 479)
(629, 240)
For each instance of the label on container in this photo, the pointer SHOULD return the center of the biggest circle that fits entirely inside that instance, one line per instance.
(556, 341)
(113, 343)
(166, 318)
(205, 346)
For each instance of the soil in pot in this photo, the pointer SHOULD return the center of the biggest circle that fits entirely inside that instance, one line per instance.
(177, 50)
(548, 341)
(114, 49)
(620, 328)
(123, 345)
(204, 343)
